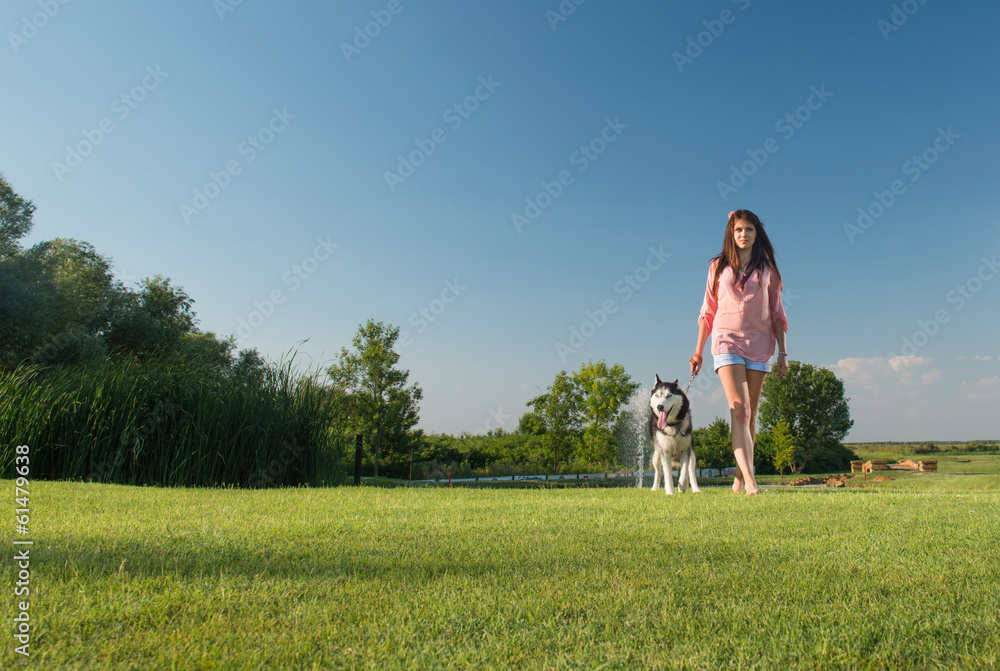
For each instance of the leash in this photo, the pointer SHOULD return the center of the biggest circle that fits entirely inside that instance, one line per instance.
(689, 383)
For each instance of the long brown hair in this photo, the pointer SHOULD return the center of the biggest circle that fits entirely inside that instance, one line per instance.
(761, 254)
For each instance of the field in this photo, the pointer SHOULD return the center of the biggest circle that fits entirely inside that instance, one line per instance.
(900, 575)
(950, 458)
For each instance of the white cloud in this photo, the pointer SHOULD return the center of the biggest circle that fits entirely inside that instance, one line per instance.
(981, 390)
(893, 378)
(930, 376)
(909, 398)
(901, 363)
(860, 371)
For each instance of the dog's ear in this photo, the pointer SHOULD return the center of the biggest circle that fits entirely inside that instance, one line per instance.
(675, 383)
(658, 382)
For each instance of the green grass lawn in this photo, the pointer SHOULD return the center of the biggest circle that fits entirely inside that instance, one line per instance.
(900, 575)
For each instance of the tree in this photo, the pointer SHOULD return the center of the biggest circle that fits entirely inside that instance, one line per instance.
(382, 399)
(530, 424)
(15, 218)
(28, 304)
(603, 391)
(811, 400)
(154, 320)
(207, 350)
(249, 365)
(763, 454)
(713, 445)
(85, 289)
(27, 296)
(559, 410)
(168, 304)
(401, 416)
(61, 305)
(784, 446)
(74, 346)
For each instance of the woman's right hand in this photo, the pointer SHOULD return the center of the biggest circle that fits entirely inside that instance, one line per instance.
(695, 362)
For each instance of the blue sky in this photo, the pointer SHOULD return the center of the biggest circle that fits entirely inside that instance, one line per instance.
(298, 176)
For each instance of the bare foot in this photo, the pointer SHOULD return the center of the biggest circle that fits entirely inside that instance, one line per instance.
(737, 486)
(753, 492)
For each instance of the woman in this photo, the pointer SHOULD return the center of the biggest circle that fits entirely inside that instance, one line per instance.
(742, 310)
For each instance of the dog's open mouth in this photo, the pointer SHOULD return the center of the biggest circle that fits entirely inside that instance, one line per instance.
(661, 421)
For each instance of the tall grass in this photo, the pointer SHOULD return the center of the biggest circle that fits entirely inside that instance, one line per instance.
(171, 423)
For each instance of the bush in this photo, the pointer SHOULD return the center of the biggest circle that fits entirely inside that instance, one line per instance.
(713, 446)
(829, 456)
(763, 454)
(435, 470)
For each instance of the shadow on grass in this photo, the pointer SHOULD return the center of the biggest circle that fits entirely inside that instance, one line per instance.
(409, 559)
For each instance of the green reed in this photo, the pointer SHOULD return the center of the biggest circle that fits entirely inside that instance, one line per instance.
(172, 423)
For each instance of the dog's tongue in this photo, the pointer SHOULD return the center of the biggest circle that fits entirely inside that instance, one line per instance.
(661, 421)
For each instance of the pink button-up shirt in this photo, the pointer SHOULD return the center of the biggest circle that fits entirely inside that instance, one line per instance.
(742, 322)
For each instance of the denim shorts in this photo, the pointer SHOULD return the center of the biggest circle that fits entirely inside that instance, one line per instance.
(721, 360)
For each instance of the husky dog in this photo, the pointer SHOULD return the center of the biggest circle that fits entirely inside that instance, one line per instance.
(670, 430)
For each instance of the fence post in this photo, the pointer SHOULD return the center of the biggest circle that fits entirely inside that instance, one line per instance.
(358, 440)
